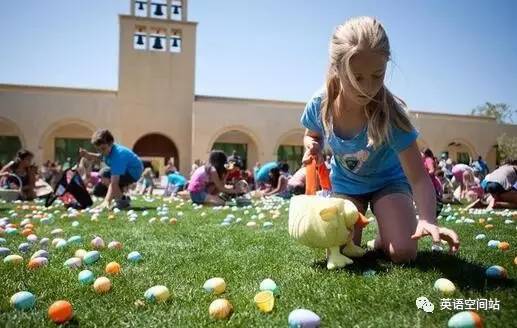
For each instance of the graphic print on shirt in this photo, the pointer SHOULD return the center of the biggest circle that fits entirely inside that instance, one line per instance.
(352, 162)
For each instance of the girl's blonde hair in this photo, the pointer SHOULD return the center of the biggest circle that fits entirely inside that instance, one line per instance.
(355, 35)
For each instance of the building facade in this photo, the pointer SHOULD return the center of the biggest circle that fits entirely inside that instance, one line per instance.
(156, 111)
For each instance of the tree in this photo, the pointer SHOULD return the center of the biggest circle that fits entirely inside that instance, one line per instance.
(507, 147)
(501, 112)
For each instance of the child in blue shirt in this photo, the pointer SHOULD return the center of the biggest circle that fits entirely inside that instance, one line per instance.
(124, 167)
(375, 159)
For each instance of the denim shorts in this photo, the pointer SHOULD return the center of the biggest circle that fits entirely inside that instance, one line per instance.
(361, 201)
(198, 197)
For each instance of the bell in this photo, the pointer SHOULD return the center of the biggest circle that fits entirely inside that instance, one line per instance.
(175, 42)
(158, 11)
(140, 40)
(176, 10)
(140, 5)
(157, 43)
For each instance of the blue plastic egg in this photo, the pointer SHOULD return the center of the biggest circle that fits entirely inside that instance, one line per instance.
(480, 236)
(465, 319)
(86, 277)
(496, 272)
(91, 257)
(267, 225)
(493, 243)
(4, 251)
(23, 300)
(134, 256)
(24, 247)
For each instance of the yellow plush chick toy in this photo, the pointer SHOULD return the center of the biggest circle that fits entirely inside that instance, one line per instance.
(325, 222)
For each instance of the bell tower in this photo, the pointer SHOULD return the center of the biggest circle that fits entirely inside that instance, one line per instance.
(157, 51)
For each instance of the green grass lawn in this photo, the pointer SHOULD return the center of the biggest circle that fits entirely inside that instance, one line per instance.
(183, 256)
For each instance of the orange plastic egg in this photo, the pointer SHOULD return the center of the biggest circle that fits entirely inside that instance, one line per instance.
(504, 246)
(113, 268)
(60, 312)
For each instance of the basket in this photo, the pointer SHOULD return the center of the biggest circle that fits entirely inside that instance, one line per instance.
(10, 195)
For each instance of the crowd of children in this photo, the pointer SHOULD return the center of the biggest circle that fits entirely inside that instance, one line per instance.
(473, 184)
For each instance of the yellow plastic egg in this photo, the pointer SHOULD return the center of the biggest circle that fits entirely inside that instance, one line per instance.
(220, 309)
(102, 285)
(215, 285)
(444, 286)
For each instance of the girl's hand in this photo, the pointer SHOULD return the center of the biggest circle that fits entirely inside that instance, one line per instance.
(425, 228)
(312, 150)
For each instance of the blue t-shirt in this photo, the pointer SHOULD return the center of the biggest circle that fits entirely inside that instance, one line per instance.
(176, 179)
(355, 167)
(262, 174)
(123, 160)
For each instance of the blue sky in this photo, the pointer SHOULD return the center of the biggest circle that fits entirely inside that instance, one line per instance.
(448, 56)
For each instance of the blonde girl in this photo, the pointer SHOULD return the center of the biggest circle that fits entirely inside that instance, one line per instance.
(375, 158)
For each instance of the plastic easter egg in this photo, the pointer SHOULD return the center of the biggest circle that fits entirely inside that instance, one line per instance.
(4, 251)
(74, 240)
(32, 238)
(114, 245)
(493, 243)
(515, 260)
(91, 257)
(73, 263)
(23, 300)
(134, 256)
(269, 284)
(465, 319)
(102, 285)
(489, 226)
(75, 224)
(225, 224)
(37, 263)
(44, 242)
(157, 294)
(504, 246)
(251, 224)
(480, 236)
(13, 259)
(40, 253)
(496, 272)
(220, 309)
(86, 277)
(57, 232)
(80, 253)
(61, 244)
(267, 225)
(444, 286)
(60, 312)
(265, 301)
(215, 285)
(24, 247)
(302, 318)
(3, 241)
(97, 243)
(112, 268)
(173, 221)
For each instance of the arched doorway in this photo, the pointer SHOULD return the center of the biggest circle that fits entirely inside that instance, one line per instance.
(10, 141)
(290, 149)
(460, 152)
(157, 149)
(62, 140)
(241, 143)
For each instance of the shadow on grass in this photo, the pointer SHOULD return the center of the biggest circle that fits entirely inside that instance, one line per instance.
(467, 276)
(141, 208)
